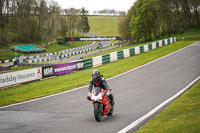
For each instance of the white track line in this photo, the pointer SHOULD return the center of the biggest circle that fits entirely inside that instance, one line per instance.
(87, 85)
(141, 119)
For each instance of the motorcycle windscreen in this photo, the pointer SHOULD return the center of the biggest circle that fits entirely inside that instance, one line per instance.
(97, 90)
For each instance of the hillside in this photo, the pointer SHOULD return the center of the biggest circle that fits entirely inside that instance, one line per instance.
(104, 25)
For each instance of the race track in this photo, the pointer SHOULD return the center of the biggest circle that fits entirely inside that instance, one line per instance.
(136, 93)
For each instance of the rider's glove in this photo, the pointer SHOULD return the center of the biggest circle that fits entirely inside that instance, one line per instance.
(88, 97)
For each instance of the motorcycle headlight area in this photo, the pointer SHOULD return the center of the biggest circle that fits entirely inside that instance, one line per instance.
(96, 98)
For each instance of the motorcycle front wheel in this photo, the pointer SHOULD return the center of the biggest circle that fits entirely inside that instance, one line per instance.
(98, 111)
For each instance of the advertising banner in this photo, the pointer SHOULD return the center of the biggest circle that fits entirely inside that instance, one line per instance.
(47, 71)
(7, 79)
(60, 69)
(104, 38)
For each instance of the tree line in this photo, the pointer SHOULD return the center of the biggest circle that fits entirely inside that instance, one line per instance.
(39, 21)
(108, 12)
(150, 19)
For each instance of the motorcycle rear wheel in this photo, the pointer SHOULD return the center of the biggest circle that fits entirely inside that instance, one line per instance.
(98, 111)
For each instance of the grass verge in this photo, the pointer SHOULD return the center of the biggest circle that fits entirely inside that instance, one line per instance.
(69, 81)
(181, 116)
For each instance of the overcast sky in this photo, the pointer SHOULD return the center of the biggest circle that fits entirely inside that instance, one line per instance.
(96, 5)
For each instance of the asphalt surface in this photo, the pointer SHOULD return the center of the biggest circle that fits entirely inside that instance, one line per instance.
(136, 93)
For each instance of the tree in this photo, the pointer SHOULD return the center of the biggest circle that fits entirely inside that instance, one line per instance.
(148, 19)
(143, 23)
(84, 21)
(123, 26)
(4, 20)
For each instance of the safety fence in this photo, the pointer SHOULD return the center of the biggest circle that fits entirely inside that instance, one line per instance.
(19, 77)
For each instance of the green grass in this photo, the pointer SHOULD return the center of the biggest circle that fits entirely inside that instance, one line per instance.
(116, 49)
(104, 25)
(56, 47)
(9, 55)
(181, 116)
(189, 35)
(69, 81)
(50, 48)
(22, 68)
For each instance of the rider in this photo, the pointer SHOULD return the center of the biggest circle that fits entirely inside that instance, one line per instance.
(98, 81)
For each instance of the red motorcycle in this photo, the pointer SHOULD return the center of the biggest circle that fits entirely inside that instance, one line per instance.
(102, 105)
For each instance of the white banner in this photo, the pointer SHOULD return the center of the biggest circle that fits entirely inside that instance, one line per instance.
(7, 79)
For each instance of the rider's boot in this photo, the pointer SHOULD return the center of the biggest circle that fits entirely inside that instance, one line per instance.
(111, 99)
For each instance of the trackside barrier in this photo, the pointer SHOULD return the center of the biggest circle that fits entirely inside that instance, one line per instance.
(120, 55)
(88, 63)
(117, 55)
(137, 50)
(60, 69)
(113, 56)
(126, 53)
(154, 45)
(132, 51)
(19, 77)
(97, 61)
(106, 58)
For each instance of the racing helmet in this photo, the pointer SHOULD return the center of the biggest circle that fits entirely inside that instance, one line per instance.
(95, 74)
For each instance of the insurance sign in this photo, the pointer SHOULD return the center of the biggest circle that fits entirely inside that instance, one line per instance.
(7, 79)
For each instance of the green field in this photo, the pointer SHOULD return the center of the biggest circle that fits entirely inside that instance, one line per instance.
(104, 25)
(50, 48)
(181, 116)
(69, 81)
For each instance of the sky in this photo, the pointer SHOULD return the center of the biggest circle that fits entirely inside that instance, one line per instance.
(97, 5)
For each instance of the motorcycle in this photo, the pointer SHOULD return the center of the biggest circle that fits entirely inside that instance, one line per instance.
(102, 105)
